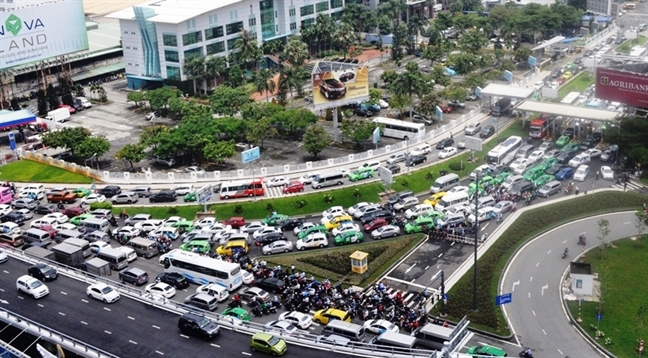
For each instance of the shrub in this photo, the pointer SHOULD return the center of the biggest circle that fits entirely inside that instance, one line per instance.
(457, 166)
(328, 198)
(404, 183)
(238, 209)
(270, 207)
(172, 210)
(299, 204)
(357, 194)
(104, 205)
(429, 176)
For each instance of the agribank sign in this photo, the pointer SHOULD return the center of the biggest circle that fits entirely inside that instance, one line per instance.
(35, 33)
(621, 86)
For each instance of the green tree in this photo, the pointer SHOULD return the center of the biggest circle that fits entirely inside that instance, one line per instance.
(216, 67)
(393, 9)
(375, 95)
(399, 42)
(296, 52)
(359, 17)
(293, 119)
(454, 92)
(415, 25)
(68, 137)
(289, 80)
(137, 97)
(309, 36)
(473, 80)
(232, 127)
(160, 97)
(218, 151)
(41, 102)
(462, 63)
(132, 153)
(325, 27)
(227, 101)
(433, 53)
(65, 90)
(388, 77)
(399, 102)
(264, 82)
(235, 76)
(603, 232)
(357, 131)
(316, 138)
(472, 41)
(194, 68)
(522, 54)
(260, 131)
(439, 77)
(92, 146)
(428, 104)
(254, 111)
(248, 49)
(631, 137)
(409, 83)
(344, 37)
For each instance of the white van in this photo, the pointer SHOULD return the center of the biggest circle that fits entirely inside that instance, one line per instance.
(143, 247)
(116, 259)
(131, 255)
(83, 102)
(328, 179)
(444, 183)
(63, 235)
(10, 227)
(37, 236)
(452, 200)
(213, 289)
(524, 151)
(418, 210)
(94, 224)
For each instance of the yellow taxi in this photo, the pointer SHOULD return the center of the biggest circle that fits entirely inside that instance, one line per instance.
(434, 198)
(229, 248)
(335, 222)
(330, 314)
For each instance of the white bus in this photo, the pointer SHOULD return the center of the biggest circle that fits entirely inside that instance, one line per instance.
(395, 128)
(509, 146)
(570, 98)
(202, 270)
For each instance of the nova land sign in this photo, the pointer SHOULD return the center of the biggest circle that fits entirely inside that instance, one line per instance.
(622, 86)
(35, 33)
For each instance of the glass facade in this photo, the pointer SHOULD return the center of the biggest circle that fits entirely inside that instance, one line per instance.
(171, 56)
(267, 19)
(337, 15)
(234, 28)
(193, 52)
(173, 73)
(191, 38)
(170, 40)
(306, 10)
(214, 32)
(215, 48)
(336, 4)
(307, 22)
(322, 6)
(150, 49)
(231, 43)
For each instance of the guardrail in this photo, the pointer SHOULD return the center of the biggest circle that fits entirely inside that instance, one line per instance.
(291, 170)
(303, 339)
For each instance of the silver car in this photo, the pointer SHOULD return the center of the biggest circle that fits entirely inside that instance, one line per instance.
(125, 198)
(397, 158)
(385, 232)
(278, 247)
(24, 203)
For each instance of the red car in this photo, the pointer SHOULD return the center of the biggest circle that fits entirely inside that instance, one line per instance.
(73, 211)
(293, 187)
(374, 224)
(446, 109)
(236, 222)
(69, 108)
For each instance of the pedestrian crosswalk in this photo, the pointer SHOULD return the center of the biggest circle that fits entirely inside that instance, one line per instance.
(410, 299)
(631, 185)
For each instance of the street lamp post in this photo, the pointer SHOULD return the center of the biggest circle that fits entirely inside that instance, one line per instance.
(476, 242)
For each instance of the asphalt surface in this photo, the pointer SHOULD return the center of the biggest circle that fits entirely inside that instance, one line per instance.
(126, 328)
(536, 314)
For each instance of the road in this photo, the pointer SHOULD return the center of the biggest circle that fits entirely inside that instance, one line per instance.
(536, 314)
(126, 328)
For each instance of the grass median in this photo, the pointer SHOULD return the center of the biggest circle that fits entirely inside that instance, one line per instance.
(578, 84)
(27, 171)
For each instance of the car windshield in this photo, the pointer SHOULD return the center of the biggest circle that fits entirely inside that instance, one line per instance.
(106, 290)
(204, 322)
(47, 269)
(35, 284)
(273, 341)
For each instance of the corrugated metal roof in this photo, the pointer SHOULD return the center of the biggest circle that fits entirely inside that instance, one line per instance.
(567, 110)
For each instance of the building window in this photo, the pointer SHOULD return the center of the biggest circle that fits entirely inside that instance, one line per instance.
(322, 6)
(132, 32)
(336, 3)
(193, 52)
(579, 283)
(231, 43)
(191, 24)
(170, 40)
(307, 22)
(126, 32)
(173, 73)
(293, 26)
(128, 47)
(214, 32)
(266, 4)
(337, 15)
(213, 19)
(292, 12)
(233, 14)
(306, 10)
(191, 38)
(234, 28)
(252, 22)
(215, 48)
(171, 56)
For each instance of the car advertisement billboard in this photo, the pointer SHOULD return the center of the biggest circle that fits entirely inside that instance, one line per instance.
(621, 86)
(35, 33)
(337, 88)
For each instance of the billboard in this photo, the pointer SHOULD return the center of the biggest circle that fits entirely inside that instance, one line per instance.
(35, 33)
(621, 86)
(337, 88)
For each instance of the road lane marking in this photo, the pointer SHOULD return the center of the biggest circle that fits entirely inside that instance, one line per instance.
(538, 264)
(5, 271)
(156, 327)
(129, 341)
(531, 279)
(484, 227)
(64, 293)
(532, 311)
(564, 241)
(452, 244)
(107, 332)
(183, 336)
(548, 252)
(427, 267)
(84, 300)
(413, 280)
(215, 345)
(39, 305)
(247, 354)
(160, 353)
(62, 314)
(440, 255)
(561, 353)
(515, 284)
(626, 223)
(107, 309)
(410, 268)
(529, 294)
(543, 331)
(85, 323)
(2, 290)
(21, 297)
(544, 288)
(131, 318)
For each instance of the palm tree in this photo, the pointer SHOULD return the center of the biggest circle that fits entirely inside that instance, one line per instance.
(344, 37)
(414, 26)
(264, 82)
(194, 68)
(393, 9)
(356, 15)
(296, 52)
(325, 28)
(289, 79)
(309, 35)
(247, 47)
(409, 82)
(215, 67)
(94, 88)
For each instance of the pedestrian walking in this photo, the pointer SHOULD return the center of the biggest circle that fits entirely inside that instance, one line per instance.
(577, 189)
(597, 174)
(293, 269)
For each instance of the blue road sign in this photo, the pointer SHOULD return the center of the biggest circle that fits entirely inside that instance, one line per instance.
(503, 299)
(508, 75)
(376, 135)
(12, 141)
(599, 316)
(532, 61)
(250, 155)
(439, 114)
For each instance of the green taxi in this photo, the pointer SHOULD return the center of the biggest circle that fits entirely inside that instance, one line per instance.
(267, 343)
(190, 197)
(81, 192)
(311, 230)
(238, 312)
(78, 219)
(420, 224)
(542, 180)
(349, 237)
(362, 173)
(562, 141)
(274, 219)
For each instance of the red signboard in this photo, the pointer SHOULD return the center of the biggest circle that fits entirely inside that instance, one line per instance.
(621, 86)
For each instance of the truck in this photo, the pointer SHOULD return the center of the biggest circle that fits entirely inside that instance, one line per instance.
(97, 267)
(59, 115)
(82, 101)
(39, 252)
(61, 197)
(500, 107)
(538, 127)
(69, 255)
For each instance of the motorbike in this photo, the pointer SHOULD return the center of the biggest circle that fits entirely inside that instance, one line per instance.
(234, 304)
(582, 239)
(256, 311)
(565, 253)
(526, 354)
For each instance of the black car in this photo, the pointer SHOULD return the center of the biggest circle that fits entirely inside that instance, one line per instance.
(46, 209)
(416, 159)
(110, 191)
(15, 217)
(191, 324)
(569, 132)
(456, 104)
(552, 170)
(78, 107)
(271, 284)
(564, 157)
(290, 224)
(417, 118)
(578, 60)
(134, 275)
(362, 112)
(487, 131)
(522, 187)
(409, 114)
(174, 279)
(43, 272)
(163, 196)
(394, 168)
(383, 214)
(446, 142)
(269, 238)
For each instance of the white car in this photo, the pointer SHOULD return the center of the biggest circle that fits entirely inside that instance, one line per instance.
(478, 171)
(28, 214)
(31, 286)
(385, 232)
(512, 180)
(195, 169)
(579, 160)
(98, 246)
(483, 214)
(313, 240)
(283, 327)
(554, 84)
(42, 222)
(298, 319)
(131, 255)
(5, 209)
(93, 198)
(344, 227)
(148, 225)
(333, 210)
(161, 288)
(396, 158)
(182, 190)
(128, 231)
(538, 85)
(581, 173)
(457, 189)
(264, 231)
(423, 149)
(607, 173)
(582, 99)
(521, 165)
(65, 226)
(3, 256)
(379, 326)
(102, 292)
(447, 152)
(352, 209)
(552, 153)
(205, 222)
(172, 220)
(536, 156)
(593, 152)
(252, 226)
(277, 181)
(383, 104)
(248, 277)
(303, 226)
(307, 178)
(60, 218)
(328, 218)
